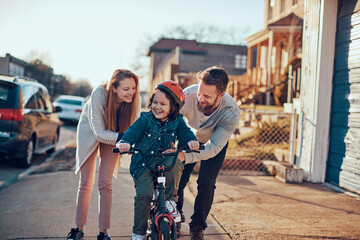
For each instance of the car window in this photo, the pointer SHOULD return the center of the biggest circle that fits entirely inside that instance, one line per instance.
(4, 92)
(70, 101)
(46, 97)
(29, 93)
(40, 100)
(29, 98)
(7, 97)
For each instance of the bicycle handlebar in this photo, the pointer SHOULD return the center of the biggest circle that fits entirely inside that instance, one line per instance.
(184, 148)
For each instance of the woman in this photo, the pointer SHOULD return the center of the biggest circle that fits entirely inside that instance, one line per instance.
(110, 110)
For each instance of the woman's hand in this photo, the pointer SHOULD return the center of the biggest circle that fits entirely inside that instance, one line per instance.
(194, 145)
(123, 147)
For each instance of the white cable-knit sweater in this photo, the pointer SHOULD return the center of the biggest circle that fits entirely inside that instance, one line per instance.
(91, 128)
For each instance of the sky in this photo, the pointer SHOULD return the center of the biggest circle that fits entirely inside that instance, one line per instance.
(89, 39)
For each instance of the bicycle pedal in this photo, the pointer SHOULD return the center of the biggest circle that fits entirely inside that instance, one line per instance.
(177, 219)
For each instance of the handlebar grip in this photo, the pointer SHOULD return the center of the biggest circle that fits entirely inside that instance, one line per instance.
(190, 151)
(115, 150)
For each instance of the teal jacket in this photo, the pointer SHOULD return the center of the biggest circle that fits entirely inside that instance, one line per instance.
(150, 135)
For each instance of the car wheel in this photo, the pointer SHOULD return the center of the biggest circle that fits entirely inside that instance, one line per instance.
(25, 161)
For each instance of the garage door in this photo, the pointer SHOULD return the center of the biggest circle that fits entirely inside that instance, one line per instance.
(343, 166)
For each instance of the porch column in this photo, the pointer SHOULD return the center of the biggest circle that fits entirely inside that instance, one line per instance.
(271, 33)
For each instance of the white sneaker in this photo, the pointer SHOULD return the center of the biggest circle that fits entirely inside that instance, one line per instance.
(170, 206)
(137, 237)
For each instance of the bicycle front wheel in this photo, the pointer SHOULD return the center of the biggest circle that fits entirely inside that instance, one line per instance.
(165, 231)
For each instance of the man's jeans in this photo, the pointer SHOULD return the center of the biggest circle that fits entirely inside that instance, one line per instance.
(208, 173)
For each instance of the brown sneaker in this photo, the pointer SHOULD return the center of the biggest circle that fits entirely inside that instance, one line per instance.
(196, 232)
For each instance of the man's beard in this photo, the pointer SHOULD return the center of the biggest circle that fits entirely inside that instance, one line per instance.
(207, 109)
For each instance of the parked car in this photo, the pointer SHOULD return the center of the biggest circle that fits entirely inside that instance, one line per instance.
(71, 106)
(28, 122)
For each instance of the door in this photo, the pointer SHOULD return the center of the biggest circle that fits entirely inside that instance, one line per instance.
(343, 166)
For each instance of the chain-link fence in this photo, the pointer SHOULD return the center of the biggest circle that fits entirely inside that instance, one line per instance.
(262, 136)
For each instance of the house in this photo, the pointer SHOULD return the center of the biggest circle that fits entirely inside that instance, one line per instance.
(12, 66)
(329, 112)
(180, 60)
(271, 51)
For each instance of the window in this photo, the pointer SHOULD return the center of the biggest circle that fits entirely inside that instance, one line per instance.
(282, 6)
(44, 100)
(254, 55)
(29, 93)
(70, 101)
(240, 61)
(270, 8)
(16, 70)
(4, 95)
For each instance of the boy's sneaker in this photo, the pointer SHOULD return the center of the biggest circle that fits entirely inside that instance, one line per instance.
(170, 206)
(75, 234)
(103, 236)
(178, 225)
(137, 237)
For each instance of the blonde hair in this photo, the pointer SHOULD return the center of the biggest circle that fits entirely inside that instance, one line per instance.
(127, 110)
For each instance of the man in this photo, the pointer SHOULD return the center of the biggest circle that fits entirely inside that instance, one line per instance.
(214, 115)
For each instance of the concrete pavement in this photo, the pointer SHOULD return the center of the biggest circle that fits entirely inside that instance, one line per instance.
(245, 207)
(43, 207)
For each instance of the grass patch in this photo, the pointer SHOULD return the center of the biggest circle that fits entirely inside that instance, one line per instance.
(260, 144)
(62, 161)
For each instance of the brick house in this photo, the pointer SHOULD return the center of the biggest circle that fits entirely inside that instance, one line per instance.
(12, 66)
(180, 60)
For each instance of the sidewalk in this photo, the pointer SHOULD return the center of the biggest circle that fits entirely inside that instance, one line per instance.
(245, 207)
(43, 207)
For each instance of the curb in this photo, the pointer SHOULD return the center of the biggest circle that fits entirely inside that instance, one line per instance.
(28, 171)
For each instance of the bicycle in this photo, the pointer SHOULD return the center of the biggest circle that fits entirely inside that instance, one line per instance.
(161, 224)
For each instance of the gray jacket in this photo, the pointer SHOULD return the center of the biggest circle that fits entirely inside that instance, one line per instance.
(216, 131)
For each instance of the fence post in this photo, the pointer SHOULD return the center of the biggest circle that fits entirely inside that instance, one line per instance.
(290, 85)
(292, 135)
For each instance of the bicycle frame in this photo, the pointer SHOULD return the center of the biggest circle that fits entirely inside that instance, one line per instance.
(161, 224)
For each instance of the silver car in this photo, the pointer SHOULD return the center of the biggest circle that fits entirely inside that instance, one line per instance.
(71, 106)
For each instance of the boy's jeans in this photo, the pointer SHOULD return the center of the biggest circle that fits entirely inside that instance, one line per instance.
(144, 192)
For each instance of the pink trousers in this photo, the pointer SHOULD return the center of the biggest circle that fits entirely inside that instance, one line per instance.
(86, 184)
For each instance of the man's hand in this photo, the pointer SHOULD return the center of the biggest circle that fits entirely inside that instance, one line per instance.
(194, 145)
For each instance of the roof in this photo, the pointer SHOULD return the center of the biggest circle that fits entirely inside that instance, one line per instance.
(168, 44)
(7, 78)
(17, 78)
(16, 60)
(257, 37)
(290, 20)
